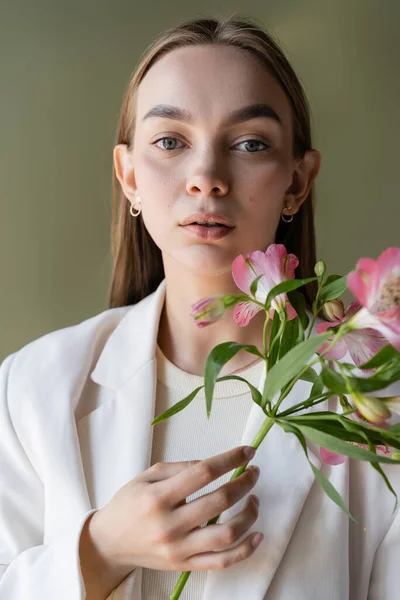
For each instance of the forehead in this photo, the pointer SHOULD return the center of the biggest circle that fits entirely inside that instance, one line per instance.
(211, 81)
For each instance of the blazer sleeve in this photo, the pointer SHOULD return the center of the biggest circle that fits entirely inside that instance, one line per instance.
(30, 569)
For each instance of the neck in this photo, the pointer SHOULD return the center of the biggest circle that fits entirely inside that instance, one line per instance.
(188, 347)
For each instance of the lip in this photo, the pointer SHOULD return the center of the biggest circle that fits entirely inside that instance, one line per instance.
(208, 233)
(207, 217)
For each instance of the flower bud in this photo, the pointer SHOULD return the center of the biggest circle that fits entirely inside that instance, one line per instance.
(333, 310)
(208, 310)
(395, 455)
(393, 404)
(320, 268)
(372, 409)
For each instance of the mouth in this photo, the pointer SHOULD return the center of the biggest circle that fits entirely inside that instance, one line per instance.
(207, 231)
(209, 219)
(202, 224)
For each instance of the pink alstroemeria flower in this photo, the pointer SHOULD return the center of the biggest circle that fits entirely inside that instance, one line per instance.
(275, 265)
(376, 285)
(362, 344)
(208, 310)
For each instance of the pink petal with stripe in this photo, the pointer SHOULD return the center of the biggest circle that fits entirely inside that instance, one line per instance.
(244, 312)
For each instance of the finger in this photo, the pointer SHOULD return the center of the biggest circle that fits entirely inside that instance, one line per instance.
(188, 481)
(219, 536)
(210, 561)
(212, 504)
(163, 470)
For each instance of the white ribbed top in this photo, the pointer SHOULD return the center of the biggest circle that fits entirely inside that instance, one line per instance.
(173, 441)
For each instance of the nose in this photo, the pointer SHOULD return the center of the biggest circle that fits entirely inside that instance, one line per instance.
(207, 180)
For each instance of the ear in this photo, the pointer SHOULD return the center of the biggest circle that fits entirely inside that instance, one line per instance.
(305, 172)
(124, 170)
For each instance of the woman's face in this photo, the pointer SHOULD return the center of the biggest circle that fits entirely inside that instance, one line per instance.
(210, 161)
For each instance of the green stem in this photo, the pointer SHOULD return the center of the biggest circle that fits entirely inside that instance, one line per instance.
(312, 325)
(304, 404)
(265, 340)
(262, 432)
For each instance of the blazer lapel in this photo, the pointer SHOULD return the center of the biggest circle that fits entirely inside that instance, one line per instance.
(119, 434)
(283, 486)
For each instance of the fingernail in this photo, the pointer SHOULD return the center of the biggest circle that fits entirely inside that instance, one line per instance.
(255, 469)
(249, 452)
(257, 539)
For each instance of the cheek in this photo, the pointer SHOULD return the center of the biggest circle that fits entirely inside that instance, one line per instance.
(158, 183)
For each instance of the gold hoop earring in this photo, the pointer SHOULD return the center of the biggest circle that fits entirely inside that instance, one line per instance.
(285, 218)
(138, 210)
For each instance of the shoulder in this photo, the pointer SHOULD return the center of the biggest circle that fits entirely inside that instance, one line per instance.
(65, 352)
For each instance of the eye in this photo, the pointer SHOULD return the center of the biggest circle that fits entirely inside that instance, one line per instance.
(168, 145)
(252, 145)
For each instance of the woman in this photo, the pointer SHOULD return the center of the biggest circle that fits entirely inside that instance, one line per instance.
(213, 159)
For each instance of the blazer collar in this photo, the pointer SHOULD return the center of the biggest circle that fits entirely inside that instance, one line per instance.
(133, 342)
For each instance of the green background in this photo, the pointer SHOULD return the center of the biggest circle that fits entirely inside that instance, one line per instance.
(64, 67)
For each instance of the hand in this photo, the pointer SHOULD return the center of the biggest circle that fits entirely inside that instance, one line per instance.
(149, 524)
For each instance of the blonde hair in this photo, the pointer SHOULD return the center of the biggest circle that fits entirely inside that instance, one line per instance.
(137, 267)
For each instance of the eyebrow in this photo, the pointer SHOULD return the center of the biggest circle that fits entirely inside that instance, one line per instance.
(253, 111)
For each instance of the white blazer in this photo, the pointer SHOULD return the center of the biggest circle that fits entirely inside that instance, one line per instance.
(76, 408)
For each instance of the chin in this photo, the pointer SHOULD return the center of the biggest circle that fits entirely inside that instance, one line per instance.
(207, 261)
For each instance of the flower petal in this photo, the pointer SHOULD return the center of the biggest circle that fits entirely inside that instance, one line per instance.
(339, 349)
(363, 344)
(331, 458)
(358, 284)
(388, 262)
(244, 312)
(352, 309)
(242, 274)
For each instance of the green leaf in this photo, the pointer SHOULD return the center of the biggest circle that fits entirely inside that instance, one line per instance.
(384, 355)
(332, 278)
(255, 393)
(374, 383)
(286, 286)
(254, 285)
(318, 387)
(331, 491)
(381, 472)
(217, 358)
(347, 429)
(334, 289)
(176, 407)
(310, 375)
(333, 380)
(395, 429)
(341, 447)
(379, 469)
(298, 301)
(290, 365)
(289, 337)
(325, 484)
